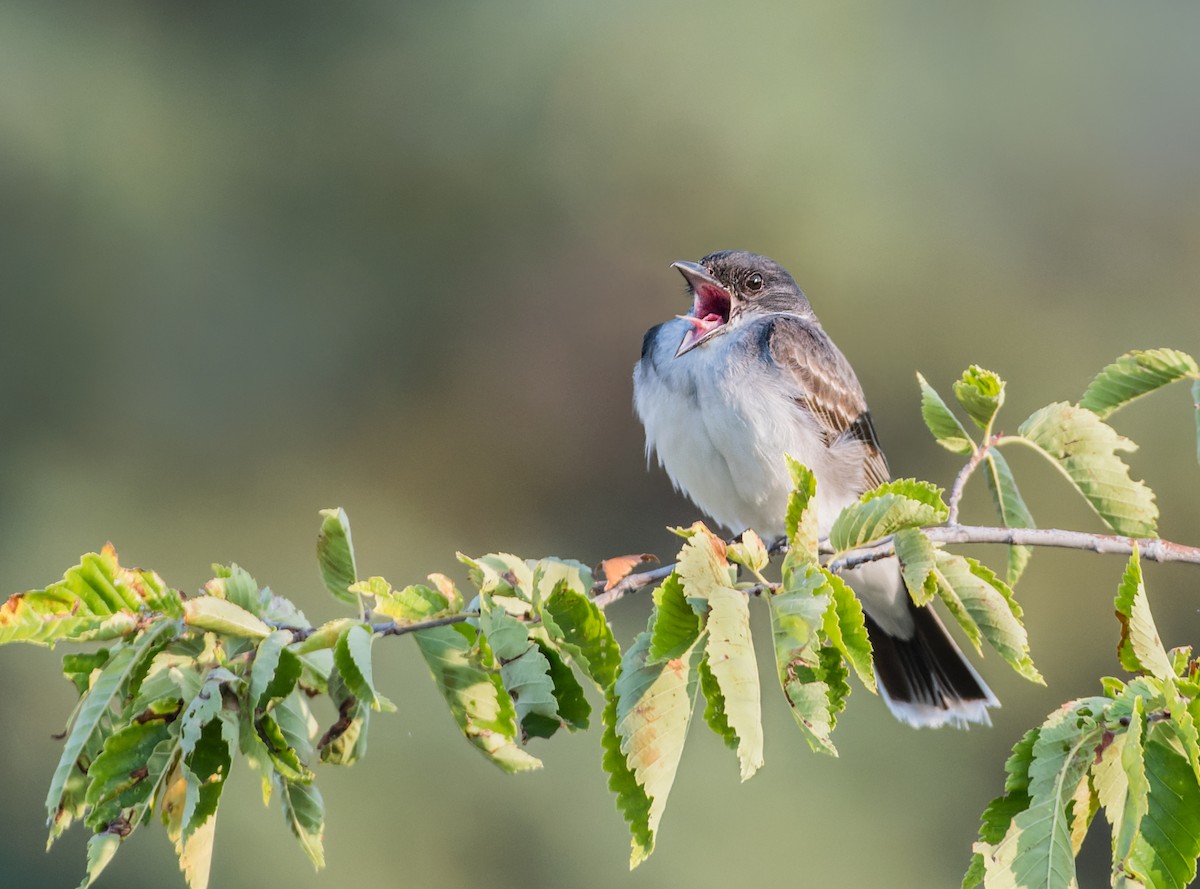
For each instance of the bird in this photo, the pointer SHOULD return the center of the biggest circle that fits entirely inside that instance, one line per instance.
(749, 375)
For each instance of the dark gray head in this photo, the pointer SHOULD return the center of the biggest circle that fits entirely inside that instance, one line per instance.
(732, 285)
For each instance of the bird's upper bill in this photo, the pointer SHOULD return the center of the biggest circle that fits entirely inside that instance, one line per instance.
(710, 308)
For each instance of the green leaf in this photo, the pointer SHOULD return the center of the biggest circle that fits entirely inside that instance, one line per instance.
(95, 706)
(918, 563)
(810, 681)
(945, 427)
(477, 698)
(524, 670)
(501, 574)
(573, 707)
(412, 604)
(981, 393)
(120, 776)
(1140, 649)
(1119, 774)
(100, 851)
(235, 584)
(335, 554)
(904, 503)
(304, 811)
(205, 768)
(97, 599)
(1085, 449)
(801, 519)
(1166, 847)
(1135, 374)
(985, 607)
(653, 705)
(1012, 510)
(998, 816)
(581, 629)
(846, 628)
(275, 671)
(1036, 851)
(734, 691)
(675, 626)
(222, 616)
(352, 657)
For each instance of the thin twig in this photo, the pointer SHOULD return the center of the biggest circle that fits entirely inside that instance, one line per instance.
(960, 480)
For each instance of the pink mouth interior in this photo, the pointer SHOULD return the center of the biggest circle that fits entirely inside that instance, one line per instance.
(709, 311)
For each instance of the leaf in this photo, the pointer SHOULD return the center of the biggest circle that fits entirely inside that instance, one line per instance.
(524, 670)
(945, 427)
(1085, 449)
(235, 584)
(617, 568)
(275, 671)
(653, 706)
(304, 811)
(412, 604)
(581, 629)
(1133, 375)
(206, 764)
(675, 626)
(95, 705)
(904, 503)
(1168, 843)
(97, 599)
(477, 698)
(984, 606)
(918, 561)
(1140, 649)
(335, 554)
(222, 616)
(573, 707)
(750, 552)
(119, 778)
(846, 628)
(352, 657)
(981, 393)
(1120, 778)
(1012, 510)
(998, 816)
(1036, 851)
(729, 659)
(810, 682)
(500, 574)
(100, 851)
(801, 518)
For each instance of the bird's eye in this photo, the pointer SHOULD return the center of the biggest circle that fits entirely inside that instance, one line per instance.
(754, 283)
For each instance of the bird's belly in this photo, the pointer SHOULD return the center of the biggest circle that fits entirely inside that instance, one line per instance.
(724, 444)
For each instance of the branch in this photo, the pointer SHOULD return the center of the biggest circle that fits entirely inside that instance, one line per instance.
(1153, 549)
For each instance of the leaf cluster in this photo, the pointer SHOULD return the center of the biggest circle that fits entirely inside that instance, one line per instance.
(184, 686)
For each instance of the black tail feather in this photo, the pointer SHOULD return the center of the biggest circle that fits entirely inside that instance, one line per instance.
(925, 679)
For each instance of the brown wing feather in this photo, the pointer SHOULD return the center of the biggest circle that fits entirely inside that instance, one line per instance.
(828, 389)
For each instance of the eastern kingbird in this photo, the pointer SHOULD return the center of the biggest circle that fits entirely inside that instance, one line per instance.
(749, 375)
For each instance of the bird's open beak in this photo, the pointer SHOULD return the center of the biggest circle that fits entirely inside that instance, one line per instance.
(710, 307)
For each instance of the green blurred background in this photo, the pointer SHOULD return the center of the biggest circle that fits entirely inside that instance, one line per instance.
(259, 259)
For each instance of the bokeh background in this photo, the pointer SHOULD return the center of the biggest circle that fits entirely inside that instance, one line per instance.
(259, 259)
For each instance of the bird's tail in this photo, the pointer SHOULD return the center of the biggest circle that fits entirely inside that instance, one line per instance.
(925, 679)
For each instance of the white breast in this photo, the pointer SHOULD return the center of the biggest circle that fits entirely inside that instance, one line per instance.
(720, 420)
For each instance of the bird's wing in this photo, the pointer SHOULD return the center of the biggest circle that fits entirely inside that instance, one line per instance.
(826, 387)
